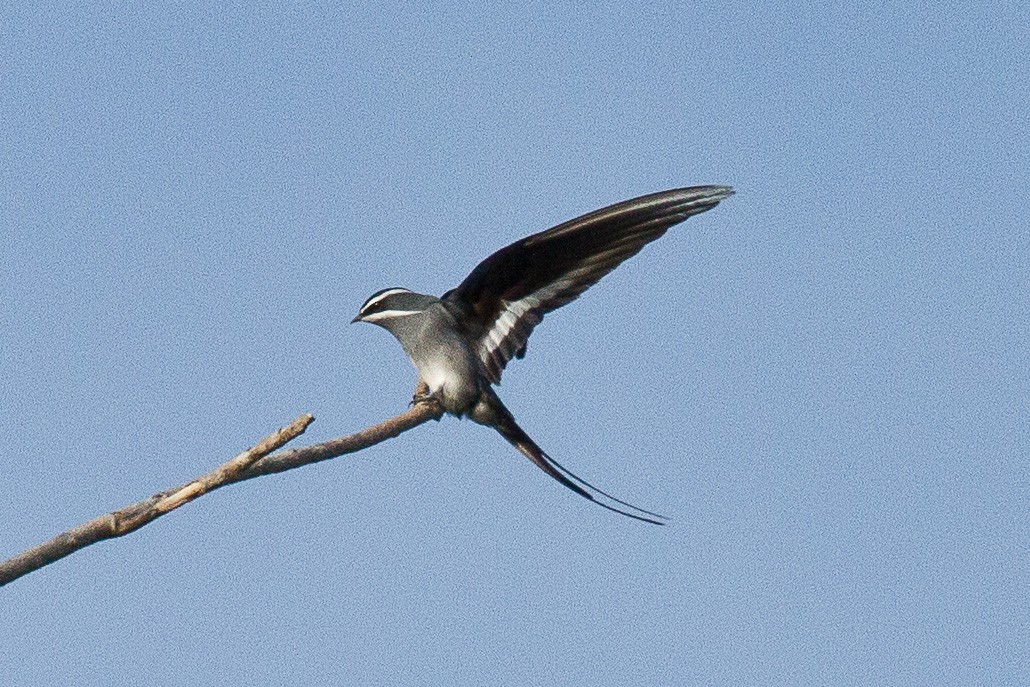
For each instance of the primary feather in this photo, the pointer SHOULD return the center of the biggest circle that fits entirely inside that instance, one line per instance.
(509, 293)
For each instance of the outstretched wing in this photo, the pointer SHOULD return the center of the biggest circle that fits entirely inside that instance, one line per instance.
(509, 293)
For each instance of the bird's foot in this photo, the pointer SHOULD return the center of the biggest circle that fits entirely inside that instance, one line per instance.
(422, 398)
(432, 399)
(423, 395)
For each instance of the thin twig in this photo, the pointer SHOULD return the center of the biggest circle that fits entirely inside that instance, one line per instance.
(254, 462)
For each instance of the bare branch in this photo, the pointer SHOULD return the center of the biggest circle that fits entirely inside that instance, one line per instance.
(254, 462)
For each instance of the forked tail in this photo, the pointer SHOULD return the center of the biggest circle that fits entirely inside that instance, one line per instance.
(501, 419)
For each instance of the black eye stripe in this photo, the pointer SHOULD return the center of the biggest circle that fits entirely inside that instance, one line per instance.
(380, 300)
(376, 307)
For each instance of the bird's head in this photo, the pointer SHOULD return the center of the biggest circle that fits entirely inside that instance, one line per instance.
(392, 305)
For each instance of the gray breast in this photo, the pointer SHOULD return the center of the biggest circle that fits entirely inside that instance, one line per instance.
(444, 360)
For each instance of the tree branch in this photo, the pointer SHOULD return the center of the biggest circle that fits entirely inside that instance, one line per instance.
(254, 462)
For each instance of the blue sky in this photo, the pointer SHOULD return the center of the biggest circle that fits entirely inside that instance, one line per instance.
(823, 381)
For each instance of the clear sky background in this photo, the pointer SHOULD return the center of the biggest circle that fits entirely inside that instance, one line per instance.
(824, 381)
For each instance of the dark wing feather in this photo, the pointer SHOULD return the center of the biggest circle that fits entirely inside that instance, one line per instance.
(509, 293)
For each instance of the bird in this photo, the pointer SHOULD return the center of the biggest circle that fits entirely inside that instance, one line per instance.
(461, 342)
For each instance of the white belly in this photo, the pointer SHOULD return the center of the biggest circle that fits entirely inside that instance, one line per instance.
(436, 374)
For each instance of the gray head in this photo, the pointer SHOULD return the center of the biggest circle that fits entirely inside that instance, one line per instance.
(390, 307)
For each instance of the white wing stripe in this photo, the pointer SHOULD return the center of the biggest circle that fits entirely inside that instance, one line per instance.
(509, 318)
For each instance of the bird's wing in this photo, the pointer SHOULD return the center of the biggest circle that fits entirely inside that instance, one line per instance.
(509, 293)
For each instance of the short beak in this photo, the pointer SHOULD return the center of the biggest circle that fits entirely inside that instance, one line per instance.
(356, 319)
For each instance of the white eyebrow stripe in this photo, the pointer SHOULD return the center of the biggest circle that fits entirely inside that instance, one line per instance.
(384, 294)
(388, 314)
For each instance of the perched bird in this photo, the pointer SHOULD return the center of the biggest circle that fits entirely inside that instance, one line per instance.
(461, 342)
